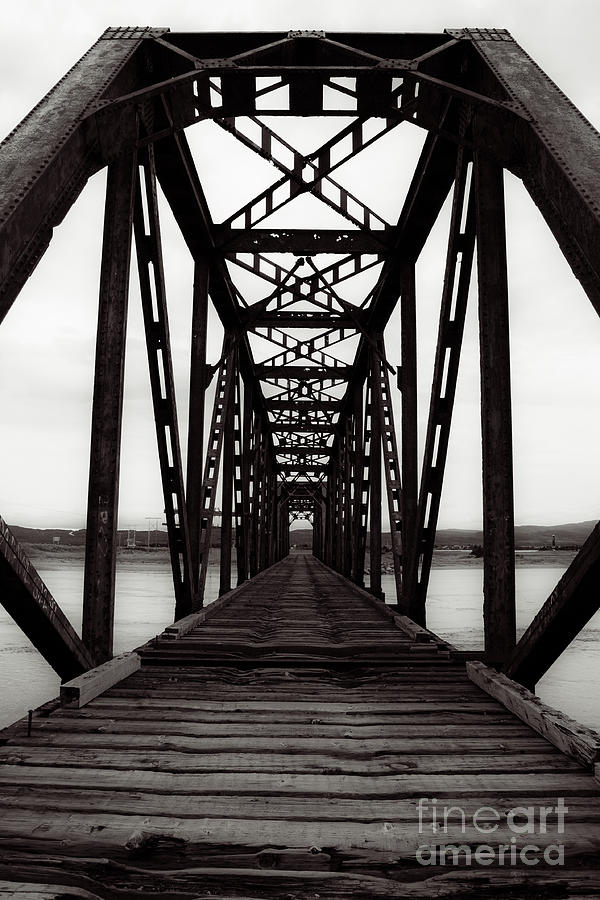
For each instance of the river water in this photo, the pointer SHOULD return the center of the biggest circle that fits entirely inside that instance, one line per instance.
(144, 605)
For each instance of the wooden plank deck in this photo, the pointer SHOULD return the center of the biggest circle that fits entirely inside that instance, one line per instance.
(283, 747)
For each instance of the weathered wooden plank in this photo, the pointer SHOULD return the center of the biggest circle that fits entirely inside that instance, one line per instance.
(25, 890)
(409, 728)
(274, 883)
(317, 707)
(429, 716)
(293, 808)
(570, 737)
(344, 761)
(238, 784)
(79, 691)
(344, 746)
(184, 694)
(183, 626)
(123, 836)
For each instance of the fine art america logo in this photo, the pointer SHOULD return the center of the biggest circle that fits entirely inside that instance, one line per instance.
(437, 820)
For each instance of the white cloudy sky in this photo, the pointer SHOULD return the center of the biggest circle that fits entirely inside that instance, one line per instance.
(47, 340)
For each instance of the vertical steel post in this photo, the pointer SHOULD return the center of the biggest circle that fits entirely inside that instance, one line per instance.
(358, 453)
(365, 477)
(199, 378)
(227, 485)
(329, 517)
(341, 497)
(498, 511)
(407, 383)
(384, 411)
(243, 560)
(375, 482)
(107, 409)
(348, 499)
(223, 397)
(273, 516)
(254, 552)
(317, 523)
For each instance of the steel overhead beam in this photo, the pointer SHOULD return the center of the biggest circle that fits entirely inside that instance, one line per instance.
(557, 155)
(301, 468)
(304, 319)
(247, 47)
(26, 598)
(304, 373)
(47, 159)
(298, 427)
(302, 450)
(301, 406)
(301, 241)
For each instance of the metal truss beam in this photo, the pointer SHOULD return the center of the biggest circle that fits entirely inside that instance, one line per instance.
(496, 418)
(300, 241)
(479, 97)
(199, 380)
(567, 610)
(107, 412)
(154, 308)
(224, 394)
(26, 598)
(457, 279)
(47, 159)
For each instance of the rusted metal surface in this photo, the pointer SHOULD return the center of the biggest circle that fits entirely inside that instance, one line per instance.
(453, 308)
(496, 418)
(107, 413)
(160, 365)
(570, 606)
(304, 425)
(26, 598)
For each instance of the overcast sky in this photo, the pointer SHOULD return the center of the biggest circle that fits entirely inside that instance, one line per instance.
(47, 340)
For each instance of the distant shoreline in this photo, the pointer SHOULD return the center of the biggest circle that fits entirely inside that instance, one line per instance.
(53, 556)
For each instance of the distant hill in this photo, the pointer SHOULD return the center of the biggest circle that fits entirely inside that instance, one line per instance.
(526, 536)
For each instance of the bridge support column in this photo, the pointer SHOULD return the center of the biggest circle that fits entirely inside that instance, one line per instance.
(407, 383)
(375, 480)
(384, 412)
(255, 507)
(357, 570)
(199, 379)
(498, 514)
(103, 491)
(227, 484)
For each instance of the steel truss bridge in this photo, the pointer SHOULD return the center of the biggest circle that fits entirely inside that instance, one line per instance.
(310, 432)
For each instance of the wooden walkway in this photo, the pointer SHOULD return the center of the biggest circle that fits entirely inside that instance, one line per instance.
(285, 743)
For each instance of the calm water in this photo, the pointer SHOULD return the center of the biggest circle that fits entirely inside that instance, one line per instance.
(145, 604)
